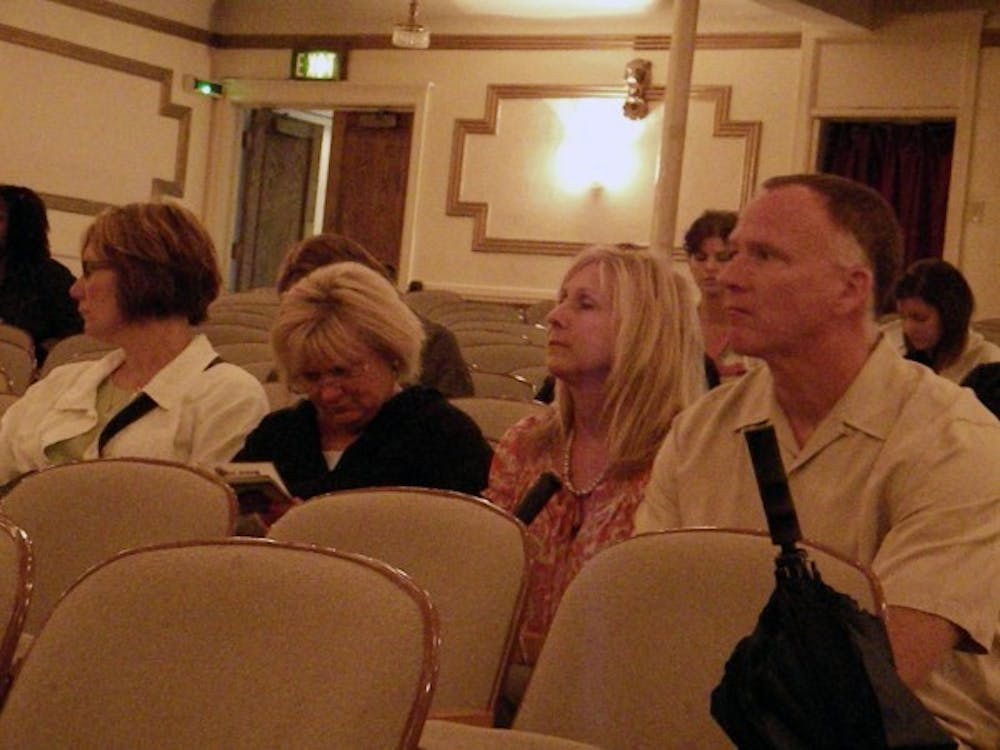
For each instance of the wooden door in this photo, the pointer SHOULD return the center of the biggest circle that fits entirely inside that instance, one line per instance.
(366, 185)
(281, 159)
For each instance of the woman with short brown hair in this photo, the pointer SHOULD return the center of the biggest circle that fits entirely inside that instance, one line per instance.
(149, 272)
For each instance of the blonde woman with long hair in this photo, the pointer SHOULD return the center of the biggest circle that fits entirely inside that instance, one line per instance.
(625, 349)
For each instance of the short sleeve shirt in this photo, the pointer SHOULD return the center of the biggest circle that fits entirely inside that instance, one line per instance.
(902, 475)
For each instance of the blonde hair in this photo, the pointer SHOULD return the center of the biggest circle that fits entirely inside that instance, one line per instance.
(337, 310)
(657, 366)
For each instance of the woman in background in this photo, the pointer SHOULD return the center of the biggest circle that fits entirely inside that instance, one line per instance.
(624, 348)
(34, 288)
(705, 244)
(346, 340)
(935, 304)
(441, 362)
(149, 273)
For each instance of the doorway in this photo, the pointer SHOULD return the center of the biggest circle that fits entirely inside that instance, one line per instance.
(361, 188)
(366, 182)
(908, 162)
(281, 161)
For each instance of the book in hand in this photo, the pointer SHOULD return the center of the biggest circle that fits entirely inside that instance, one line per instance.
(257, 485)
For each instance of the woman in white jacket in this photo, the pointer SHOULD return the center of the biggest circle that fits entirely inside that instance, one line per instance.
(935, 305)
(149, 273)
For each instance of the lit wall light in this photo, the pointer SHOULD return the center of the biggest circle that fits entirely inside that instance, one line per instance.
(638, 73)
(316, 65)
(598, 150)
(203, 86)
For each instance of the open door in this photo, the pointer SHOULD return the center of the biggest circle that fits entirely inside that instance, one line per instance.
(366, 183)
(281, 160)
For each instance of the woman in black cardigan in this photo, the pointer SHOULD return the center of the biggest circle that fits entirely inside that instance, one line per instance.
(345, 339)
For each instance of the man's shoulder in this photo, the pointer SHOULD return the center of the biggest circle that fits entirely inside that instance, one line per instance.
(735, 403)
(934, 398)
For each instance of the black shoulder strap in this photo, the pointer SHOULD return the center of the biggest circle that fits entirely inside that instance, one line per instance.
(138, 407)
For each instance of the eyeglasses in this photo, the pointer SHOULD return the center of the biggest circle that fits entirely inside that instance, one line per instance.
(340, 375)
(89, 267)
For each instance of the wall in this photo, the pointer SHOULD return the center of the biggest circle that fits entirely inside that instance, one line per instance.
(506, 170)
(102, 117)
(95, 113)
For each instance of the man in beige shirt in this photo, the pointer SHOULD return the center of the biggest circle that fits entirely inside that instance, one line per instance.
(887, 463)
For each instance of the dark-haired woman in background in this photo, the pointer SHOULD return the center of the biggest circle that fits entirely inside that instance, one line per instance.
(707, 253)
(34, 288)
(935, 304)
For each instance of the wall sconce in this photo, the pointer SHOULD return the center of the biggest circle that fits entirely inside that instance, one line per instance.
(638, 73)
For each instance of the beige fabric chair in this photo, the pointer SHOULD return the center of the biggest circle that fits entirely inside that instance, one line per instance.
(279, 396)
(496, 415)
(501, 385)
(989, 328)
(15, 589)
(536, 311)
(256, 357)
(525, 333)
(642, 635)
(233, 333)
(243, 644)
(475, 336)
(664, 611)
(6, 399)
(80, 514)
(73, 348)
(18, 365)
(260, 318)
(535, 375)
(425, 301)
(18, 336)
(480, 311)
(470, 556)
(256, 298)
(503, 357)
(447, 735)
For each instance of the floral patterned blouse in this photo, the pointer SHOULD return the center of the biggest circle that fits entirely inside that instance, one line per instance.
(568, 531)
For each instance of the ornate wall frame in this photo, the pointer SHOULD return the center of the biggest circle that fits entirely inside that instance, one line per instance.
(478, 211)
(164, 76)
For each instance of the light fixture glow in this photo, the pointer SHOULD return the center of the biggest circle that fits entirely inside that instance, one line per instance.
(411, 34)
(599, 148)
(316, 64)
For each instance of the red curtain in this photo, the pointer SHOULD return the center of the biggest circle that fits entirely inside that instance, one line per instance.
(909, 164)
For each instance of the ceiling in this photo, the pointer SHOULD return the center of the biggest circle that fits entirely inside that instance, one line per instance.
(562, 16)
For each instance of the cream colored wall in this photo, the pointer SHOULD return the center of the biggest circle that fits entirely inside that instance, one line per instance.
(980, 252)
(81, 118)
(923, 67)
(83, 130)
(441, 257)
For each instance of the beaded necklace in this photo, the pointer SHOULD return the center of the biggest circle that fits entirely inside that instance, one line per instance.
(568, 483)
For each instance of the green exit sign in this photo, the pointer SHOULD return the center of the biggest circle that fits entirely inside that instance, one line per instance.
(316, 65)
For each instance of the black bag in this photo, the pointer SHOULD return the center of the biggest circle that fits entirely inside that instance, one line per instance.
(817, 672)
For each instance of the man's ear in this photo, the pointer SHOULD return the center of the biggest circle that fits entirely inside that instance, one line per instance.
(859, 288)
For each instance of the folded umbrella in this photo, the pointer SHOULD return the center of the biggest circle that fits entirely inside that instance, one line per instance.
(817, 672)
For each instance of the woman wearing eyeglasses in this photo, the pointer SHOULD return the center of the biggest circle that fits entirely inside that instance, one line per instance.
(149, 273)
(346, 341)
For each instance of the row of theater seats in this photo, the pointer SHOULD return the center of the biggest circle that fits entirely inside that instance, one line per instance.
(503, 344)
(151, 626)
(503, 348)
